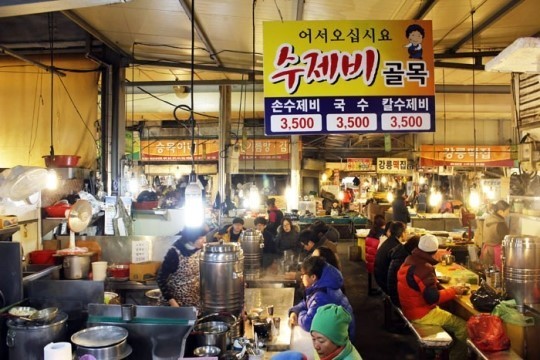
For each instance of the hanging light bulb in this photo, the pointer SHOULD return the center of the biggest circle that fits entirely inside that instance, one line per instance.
(435, 198)
(474, 198)
(292, 198)
(254, 198)
(421, 180)
(384, 179)
(324, 177)
(193, 207)
(52, 180)
(341, 196)
(390, 196)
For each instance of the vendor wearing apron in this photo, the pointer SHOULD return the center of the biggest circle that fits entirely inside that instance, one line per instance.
(495, 229)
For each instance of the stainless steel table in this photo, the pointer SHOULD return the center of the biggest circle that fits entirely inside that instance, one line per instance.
(282, 299)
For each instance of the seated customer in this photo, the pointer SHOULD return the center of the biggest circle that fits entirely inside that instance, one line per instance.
(330, 336)
(310, 241)
(419, 294)
(232, 232)
(269, 249)
(322, 284)
(398, 256)
(325, 231)
(287, 237)
(382, 259)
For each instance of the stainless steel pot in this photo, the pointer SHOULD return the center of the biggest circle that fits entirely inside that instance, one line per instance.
(252, 243)
(76, 266)
(27, 340)
(113, 352)
(214, 333)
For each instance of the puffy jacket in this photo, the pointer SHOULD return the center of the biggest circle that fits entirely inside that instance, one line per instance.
(417, 286)
(288, 240)
(371, 251)
(382, 262)
(397, 255)
(326, 290)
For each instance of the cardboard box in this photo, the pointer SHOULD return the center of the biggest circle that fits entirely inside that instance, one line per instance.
(144, 271)
(7, 221)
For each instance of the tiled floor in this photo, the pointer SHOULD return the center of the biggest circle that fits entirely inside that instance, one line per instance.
(372, 340)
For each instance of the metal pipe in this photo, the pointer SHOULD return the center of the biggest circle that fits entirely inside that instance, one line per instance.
(12, 53)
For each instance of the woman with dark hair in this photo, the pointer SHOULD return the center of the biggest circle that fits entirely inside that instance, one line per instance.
(327, 254)
(178, 277)
(495, 229)
(287, 237)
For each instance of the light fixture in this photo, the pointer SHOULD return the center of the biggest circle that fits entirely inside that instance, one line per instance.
(193, 206)
(254, 198)
(324, 177)
(435, 198)
(384, 179)
(341, 196)
(181, 91)
(52, 180)
(421, 180)
(474, 198)
(390, 196)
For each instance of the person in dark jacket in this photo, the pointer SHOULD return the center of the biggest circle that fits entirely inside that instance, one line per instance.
(310, 241)
(270, 248)
(398, 256)
(400, 212)
(274, 216)
(179, 275)
(325, 231)
(382, 259)
(322, 284)
(287, 237)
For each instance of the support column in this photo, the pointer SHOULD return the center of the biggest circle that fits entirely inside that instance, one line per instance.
(224, 178)
(296, 166)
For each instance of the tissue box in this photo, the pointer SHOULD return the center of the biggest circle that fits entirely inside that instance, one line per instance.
(144, 271)
(7, 221)
(141, 251)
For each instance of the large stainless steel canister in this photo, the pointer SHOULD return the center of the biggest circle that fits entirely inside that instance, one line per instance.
(521, 268)
(222, 278)
(252, 243)
(26, 340)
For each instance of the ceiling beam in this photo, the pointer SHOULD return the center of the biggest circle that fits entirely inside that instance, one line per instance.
(451, 65)
(200, 31)
(467, 54)
(485, 24)
(426, 7)
(183, 65)
(14, 54)
(27, 7)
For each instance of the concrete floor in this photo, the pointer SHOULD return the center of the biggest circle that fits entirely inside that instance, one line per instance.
(372, 340)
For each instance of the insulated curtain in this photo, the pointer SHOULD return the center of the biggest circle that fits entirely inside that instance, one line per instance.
(25, 111)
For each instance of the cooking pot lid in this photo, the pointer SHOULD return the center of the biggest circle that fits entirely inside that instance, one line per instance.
(99, 336)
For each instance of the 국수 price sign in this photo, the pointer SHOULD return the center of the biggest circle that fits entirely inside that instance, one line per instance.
(348, 76)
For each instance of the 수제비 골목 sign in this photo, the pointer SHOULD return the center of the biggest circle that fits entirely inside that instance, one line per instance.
(348, 76)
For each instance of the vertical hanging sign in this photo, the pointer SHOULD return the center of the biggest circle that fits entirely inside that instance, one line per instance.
(348, 76)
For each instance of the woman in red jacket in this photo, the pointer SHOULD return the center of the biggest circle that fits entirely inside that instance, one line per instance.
(372, 243)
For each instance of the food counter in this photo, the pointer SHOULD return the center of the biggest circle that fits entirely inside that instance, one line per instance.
(437, 222)
(344, 224)
(463, 307)
(282, 300)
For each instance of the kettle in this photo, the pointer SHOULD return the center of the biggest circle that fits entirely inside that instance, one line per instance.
(448, 259)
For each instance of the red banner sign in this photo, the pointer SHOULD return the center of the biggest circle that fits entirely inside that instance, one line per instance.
(466, 155)
(359, 164)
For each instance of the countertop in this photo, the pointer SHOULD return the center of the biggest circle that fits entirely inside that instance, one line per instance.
(282, 299)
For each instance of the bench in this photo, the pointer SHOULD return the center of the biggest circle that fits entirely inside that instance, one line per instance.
(492, 355)
(431, 338)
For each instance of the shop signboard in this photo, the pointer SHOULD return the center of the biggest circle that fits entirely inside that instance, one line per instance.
(348, 76)
(392, 166)
(466, 155)
(359, 164)
(180, 150)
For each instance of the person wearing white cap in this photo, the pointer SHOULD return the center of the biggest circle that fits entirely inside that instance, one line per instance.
(419, 294)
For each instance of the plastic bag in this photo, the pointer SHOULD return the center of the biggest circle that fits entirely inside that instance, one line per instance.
(508, 312)
(485, 299)
(487, 332)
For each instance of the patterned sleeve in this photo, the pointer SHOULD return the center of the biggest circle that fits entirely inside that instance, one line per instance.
(168, 267)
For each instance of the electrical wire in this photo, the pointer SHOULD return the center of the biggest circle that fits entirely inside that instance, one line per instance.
(473, 89)
(51, 39)
(192, 83)
(253, 79)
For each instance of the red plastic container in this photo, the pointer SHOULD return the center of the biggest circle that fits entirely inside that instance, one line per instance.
(58, 210)
(42, 257)
(61, 161)
(145, 205)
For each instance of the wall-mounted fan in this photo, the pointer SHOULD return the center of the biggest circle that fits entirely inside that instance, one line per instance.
(79, 218)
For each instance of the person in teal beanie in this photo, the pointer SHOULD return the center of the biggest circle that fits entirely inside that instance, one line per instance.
(330, 334)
